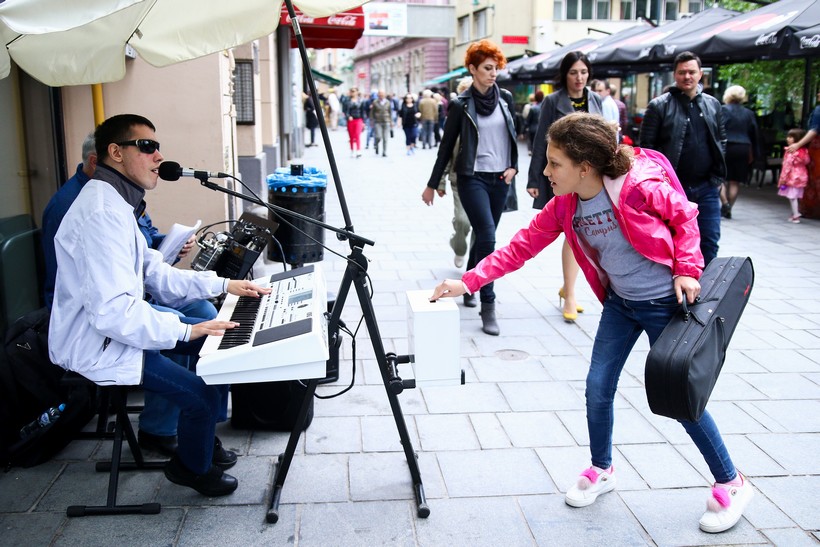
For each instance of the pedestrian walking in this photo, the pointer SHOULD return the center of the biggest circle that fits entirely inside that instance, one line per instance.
(380, 116)
(573, 96)
(742, 147)
(687, 126)
(640, 261)
(409, 115)
(487, 166)
(355, 122)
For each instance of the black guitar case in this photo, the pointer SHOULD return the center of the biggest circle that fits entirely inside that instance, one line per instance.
(684, 362)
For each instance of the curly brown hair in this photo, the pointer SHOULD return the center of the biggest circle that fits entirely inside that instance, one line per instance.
(590, 138)
(483, 49)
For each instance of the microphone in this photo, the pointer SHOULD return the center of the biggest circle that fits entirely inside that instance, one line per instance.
(170, 170)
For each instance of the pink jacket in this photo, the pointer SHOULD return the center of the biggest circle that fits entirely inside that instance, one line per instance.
(652, 212)
(794, 171)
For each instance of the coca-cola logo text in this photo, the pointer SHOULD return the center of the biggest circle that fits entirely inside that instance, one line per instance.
(342, 20)
(766, 39)
(808, 42)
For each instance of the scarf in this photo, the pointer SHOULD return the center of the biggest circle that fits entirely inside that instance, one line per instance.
(485, 104)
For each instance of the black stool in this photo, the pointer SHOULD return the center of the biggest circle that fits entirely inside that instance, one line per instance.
(117, 396)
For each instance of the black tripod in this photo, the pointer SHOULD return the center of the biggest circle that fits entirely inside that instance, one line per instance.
(356, 276)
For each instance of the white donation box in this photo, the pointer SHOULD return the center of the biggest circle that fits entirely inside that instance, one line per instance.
(433, 338)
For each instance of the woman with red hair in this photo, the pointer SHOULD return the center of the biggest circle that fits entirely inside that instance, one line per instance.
(486, 162)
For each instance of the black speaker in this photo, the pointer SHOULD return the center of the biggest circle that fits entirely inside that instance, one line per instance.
(268, 406)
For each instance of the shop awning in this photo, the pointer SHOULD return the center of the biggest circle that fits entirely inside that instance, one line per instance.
(342, 30)
(327, 78)
(457, 73)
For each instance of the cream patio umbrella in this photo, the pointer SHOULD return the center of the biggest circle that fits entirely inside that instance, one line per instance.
(77, 42)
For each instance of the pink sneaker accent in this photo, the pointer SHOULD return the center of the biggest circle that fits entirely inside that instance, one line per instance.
(591, 484)
(719, 500)
(588, 478)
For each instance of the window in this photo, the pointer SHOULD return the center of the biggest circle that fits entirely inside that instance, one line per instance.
(464, 29)
(558, 10)
(480, 23)
(583, 9)
(243, 92)
(671, 13)
(695, 6)
(627, 10)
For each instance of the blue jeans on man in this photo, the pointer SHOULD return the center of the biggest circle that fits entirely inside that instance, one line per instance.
(483, 196)
(160, 415)
(707, 197)
(622, 322)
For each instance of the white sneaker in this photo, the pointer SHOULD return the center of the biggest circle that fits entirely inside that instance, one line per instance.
(458, 261)
(725, 507)
(591, 484)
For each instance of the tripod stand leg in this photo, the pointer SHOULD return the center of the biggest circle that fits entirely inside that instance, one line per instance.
(283, 462)
(357, 276)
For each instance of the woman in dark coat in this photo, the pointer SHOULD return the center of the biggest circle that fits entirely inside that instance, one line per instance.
(741, 145)
(482, 118)
(311, 121)
(573, 96)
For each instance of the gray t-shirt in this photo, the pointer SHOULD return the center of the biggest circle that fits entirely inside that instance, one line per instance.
(493, 152)
(631, 275)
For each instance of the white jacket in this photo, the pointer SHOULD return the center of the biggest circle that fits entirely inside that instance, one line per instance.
(100, 322)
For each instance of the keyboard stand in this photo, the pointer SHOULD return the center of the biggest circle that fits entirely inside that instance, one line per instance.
(393, 385)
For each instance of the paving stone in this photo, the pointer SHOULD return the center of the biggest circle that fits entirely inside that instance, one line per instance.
(534, 429)
(474, 522)
(796, 496)
(380, 434)
(383, 476)
(606, 522)
(784, 360)
(446, 432)
(490, 432)
(671, 517)
(661, 466)
(498, 369)
(784, 385)
(356, 524)
(130, 530)
(792, 537)
(333, 434)
(21, 488)
(471, 473)
(29, 528)
(793, 416)
(467, 398)
(526, 396)
(244, 525)
(317, 478)
(796, 453)
(566, 367)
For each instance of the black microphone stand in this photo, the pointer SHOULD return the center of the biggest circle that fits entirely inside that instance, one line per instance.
(355, 275)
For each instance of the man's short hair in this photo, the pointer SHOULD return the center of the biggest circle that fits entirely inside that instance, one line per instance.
(685, 57)
(88, 147)
(117, 129)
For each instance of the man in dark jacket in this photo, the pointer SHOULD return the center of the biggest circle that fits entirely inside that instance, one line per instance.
(687, 126)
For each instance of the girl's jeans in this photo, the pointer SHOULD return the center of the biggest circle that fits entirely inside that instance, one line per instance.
(622, 321)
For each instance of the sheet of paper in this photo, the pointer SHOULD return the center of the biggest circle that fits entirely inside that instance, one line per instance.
(175, 239)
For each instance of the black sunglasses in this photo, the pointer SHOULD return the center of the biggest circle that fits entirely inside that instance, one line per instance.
(146, 146)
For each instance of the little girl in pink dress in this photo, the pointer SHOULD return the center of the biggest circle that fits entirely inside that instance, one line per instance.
(794, 174)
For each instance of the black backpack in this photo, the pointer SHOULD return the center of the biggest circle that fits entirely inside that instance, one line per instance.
(29, 385)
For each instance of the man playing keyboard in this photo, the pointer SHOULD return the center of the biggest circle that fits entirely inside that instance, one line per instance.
(101, 326)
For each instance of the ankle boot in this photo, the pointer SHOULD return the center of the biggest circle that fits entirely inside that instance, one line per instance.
(488, 323)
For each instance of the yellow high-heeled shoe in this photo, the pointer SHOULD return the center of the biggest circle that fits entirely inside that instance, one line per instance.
(569, 317)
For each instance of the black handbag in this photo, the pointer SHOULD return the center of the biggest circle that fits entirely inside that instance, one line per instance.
(684, 362)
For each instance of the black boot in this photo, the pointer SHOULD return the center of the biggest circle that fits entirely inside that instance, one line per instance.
(488, 323)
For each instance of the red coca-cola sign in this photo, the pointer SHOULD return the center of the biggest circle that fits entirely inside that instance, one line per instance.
(341, 30)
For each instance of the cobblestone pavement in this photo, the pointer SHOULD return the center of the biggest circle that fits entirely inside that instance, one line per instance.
(496, 454)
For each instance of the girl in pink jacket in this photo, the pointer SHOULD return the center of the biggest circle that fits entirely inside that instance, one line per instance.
(794, 175)
(635, 236)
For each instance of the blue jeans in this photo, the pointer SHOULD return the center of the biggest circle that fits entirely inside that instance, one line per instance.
(483, 196)
(197, 401)
(427, 128)
(160, 416)
(707, 198)
(622, 321)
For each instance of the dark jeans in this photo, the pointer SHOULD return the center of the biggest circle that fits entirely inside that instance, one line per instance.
(197, 401)
(483, 196)
(707, 197)
(622, 321)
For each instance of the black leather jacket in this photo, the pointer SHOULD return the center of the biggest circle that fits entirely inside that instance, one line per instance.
(664, 126)
(461, 122)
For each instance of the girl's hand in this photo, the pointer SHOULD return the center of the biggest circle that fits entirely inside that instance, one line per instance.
(508, 175)
(688, 286)
(428, 195)
(449, 288)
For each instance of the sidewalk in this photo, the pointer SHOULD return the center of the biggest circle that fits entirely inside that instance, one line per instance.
(496, 454)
